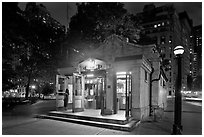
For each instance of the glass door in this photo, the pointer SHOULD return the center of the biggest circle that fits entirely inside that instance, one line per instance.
(124, 92)
(92, 93)
(78, 94)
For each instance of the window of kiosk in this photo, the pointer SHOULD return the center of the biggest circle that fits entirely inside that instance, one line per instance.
(123, 88)
(78, 91)
(70, 88)
(90, 89)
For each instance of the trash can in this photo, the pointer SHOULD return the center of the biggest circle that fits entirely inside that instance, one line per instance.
(60, 100)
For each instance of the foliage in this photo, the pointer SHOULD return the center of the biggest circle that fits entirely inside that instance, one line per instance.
(10, 40)
(47, 89)
(7, 75)
(197, 83)
(189, 82)
(30, 45)
(96, 21)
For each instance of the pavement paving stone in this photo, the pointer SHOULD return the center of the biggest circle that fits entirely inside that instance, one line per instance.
(51, 127)
(191, 121)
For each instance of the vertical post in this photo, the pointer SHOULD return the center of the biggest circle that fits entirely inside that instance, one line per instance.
(150, 92)
(103, 94)
(56, 84)
(73, 96)
(126, 99)
(130, 95)
(177, 127)
(82, 89)
(115, 100)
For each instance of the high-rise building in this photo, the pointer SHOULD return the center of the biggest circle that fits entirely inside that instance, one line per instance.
(38, 12)
(197, 33)
(169, 29)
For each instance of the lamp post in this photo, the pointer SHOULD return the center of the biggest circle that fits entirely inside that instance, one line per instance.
(177, 127)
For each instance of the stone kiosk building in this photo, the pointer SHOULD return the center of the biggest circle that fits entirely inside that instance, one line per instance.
(115, 77)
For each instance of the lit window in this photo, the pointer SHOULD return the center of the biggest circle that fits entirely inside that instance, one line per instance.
(159, 25)
(155, 26)
(162, 23)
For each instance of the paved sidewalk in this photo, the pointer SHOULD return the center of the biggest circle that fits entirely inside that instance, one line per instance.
(191, 121)
(159, 126)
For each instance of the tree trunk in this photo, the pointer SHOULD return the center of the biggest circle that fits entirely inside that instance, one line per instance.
(27, 86)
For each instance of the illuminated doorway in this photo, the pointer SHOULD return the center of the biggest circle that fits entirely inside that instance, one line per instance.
(93, 92)
(124, 92)
(94, 89)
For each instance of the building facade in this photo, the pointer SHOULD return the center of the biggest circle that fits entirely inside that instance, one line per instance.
(38, 12)
(114, 77)
(169, 29)
(197, 39)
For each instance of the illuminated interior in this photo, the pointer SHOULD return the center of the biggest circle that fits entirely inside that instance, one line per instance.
(123, 88)
(92, 93)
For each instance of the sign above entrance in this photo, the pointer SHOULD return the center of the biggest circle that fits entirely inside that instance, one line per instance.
(91, 64)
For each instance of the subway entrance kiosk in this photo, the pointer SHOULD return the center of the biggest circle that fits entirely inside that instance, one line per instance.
(121, 86)
(86, 86)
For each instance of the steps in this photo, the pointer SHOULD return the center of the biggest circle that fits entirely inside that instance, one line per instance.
(104, 122)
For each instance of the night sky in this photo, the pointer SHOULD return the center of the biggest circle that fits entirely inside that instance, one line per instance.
(58, 10)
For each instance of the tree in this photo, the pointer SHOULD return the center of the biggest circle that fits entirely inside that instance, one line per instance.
(11, 16)
(47, 89)
(94, 22)
(32, 43)
(189, 82)
(197, 83)
(47, 35)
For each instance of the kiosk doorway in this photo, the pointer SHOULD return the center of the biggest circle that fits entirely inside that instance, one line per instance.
(93, 92)
(124, 92)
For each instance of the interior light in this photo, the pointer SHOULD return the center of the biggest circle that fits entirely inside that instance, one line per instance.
(91, 81)
(90, 75)
(121, 73)
(91, 64)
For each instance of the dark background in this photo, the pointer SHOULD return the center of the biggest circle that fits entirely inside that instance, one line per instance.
(58, 10)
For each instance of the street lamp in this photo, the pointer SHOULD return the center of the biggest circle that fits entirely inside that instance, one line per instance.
(177, 127)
